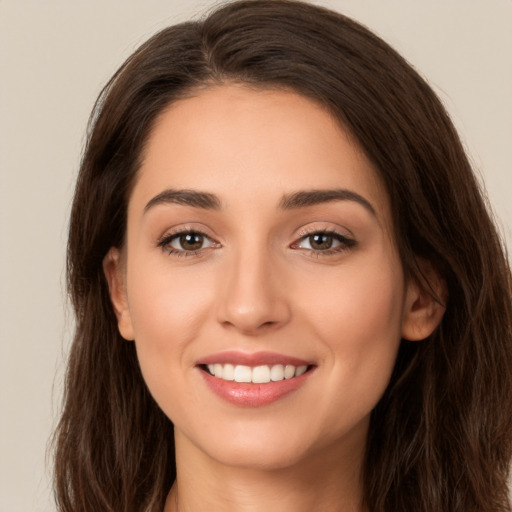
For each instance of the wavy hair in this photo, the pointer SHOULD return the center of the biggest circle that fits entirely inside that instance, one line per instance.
(440, 439)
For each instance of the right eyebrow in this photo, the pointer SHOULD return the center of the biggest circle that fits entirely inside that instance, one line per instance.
(305, 198)
(185, 197)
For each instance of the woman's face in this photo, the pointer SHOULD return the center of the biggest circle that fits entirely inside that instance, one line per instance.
(260, 246)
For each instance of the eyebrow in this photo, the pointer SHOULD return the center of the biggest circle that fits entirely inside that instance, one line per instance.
(185, 197)
(307, 198)
(301, 199)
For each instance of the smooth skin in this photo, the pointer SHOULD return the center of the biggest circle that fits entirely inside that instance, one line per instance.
(258, 271)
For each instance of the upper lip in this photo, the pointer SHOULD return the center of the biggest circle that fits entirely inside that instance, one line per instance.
(235, 357)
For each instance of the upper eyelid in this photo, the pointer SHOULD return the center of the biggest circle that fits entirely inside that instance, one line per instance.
(183, 229)
(343, 234)
(165, 243)
(326, 228)
(302, 232)
(335, 234)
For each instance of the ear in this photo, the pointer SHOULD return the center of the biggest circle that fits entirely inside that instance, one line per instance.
(114, 270)
(425, 303)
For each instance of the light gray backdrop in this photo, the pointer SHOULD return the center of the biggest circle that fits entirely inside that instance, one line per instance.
(54, 57)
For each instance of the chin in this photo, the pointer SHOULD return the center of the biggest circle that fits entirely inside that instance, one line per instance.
(259, 457)
(247, 445)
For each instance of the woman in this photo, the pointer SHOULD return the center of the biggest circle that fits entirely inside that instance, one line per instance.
(289, 292)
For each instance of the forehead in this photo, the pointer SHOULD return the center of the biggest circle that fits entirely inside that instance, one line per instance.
(246, 145)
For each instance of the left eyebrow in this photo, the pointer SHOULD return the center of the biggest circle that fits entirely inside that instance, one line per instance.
(305, 198)
(185, 197)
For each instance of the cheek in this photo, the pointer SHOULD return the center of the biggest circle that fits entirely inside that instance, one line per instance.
(358, 321)
(166, 305)
(167, 310)
(360, 307)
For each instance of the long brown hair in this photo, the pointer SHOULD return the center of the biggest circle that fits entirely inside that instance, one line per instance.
(441, 437)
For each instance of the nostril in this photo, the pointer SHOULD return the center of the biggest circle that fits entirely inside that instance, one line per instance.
(250, 326)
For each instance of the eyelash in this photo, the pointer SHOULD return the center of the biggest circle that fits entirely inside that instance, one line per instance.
(345, 243)
(165, 242)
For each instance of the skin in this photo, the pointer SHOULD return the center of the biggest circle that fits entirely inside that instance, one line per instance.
(259, 284)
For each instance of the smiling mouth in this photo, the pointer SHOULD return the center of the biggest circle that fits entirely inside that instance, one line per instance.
(255, 374)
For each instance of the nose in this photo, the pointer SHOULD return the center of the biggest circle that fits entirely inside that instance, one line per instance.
(252, 296)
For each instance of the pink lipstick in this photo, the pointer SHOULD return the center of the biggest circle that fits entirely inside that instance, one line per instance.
(253, 380)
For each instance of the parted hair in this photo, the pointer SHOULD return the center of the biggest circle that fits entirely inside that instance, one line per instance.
(440, 439)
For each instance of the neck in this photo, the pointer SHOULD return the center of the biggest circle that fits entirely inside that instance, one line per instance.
(328, 481)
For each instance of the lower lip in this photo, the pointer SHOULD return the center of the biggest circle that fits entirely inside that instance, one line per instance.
(253, 395)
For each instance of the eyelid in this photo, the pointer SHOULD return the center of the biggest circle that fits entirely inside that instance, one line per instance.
(324, 227)
(170, 235)
(306, 238)
(192, 227)
(346, 241)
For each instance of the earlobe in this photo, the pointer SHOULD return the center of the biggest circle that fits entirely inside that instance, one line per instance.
(114, 274)
(425, 304)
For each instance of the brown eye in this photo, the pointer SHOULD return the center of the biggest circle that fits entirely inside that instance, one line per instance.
(190, 241)
(321, 241)
(187, 242)
(325, 241)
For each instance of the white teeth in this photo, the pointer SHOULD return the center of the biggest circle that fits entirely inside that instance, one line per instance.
(277, 372)
(300, 370)
(228, 372)
(289, 371)
(217, 369)
(257, 375)
(242, 373)
(260, 374)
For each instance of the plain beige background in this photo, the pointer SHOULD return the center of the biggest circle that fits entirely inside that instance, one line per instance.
(54, 57)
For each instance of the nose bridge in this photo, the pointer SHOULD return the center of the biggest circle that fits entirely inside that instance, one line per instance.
(252, 296)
